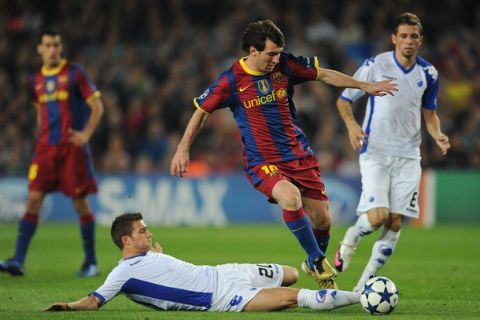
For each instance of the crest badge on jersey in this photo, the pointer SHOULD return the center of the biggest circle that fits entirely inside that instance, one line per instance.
(263, 86)
(50, 85)
(62, 79)
(282, 92)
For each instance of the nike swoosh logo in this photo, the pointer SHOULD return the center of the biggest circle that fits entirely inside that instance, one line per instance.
(244, 88)
(295, 230)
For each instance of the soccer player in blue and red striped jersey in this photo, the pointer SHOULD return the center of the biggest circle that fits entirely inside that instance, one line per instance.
(68, 110)
(278, 161)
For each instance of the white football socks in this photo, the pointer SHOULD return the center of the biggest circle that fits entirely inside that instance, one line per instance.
(381, 251)
(326, 299)
(361, 228)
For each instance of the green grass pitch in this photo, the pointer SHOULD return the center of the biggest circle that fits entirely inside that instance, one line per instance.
(436, 271)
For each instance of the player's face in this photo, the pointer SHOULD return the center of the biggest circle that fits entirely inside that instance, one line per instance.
(267, 59)
(141, 238)
(50, 50)
(407, 40)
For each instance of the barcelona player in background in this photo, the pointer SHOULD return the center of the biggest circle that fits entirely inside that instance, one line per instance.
(68, 109)
(278, 161)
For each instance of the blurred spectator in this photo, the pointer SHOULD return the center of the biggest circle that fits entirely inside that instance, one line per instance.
(155, 145)
(116, 158)
(151, 58)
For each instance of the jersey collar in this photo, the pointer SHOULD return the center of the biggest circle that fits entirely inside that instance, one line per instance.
(405, 70)
(138, 255)
(247, 69)
(50, 72)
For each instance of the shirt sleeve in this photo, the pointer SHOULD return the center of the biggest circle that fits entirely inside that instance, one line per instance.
(364, 73)
(112, 285)
(84, 84)
(217, 96)
(301, 69)
(429, 99)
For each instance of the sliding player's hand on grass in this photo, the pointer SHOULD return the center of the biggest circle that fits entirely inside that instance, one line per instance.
(58, 307)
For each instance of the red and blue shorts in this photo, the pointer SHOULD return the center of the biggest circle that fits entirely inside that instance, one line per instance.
(67, 168)
(303, 173)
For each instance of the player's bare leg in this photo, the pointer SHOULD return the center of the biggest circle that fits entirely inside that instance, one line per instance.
(290, 276)
(271, 299)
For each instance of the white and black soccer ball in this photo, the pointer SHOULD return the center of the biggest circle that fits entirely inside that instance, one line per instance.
(379, 296)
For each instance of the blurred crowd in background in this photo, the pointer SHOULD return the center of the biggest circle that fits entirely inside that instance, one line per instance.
(150, 58)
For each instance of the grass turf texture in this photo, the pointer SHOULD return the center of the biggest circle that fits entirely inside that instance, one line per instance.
(436, 271)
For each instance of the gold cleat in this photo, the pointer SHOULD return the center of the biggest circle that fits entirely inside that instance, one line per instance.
(322, 273)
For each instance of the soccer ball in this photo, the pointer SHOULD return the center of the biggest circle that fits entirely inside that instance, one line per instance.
(379, 296)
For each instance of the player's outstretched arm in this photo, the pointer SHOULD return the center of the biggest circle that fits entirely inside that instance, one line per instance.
(432, 122)
(180, 160)
(342, 80)
(87, 303)
(356, 135)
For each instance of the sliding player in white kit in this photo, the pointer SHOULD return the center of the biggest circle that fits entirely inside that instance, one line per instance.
(389, 143)
(157, 280)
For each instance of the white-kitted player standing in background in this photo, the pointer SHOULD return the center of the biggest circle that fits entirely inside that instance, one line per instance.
(389, 143)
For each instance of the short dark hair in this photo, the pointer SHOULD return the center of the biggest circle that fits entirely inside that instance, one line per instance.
(48, 32)
(258, 32)
(122, 226)
(410, 19)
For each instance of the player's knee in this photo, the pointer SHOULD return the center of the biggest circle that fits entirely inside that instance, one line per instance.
(287, 195)
(291, 200)
(33, 207)
(34, 203)
(290, 276)
(81, 205)
(377, 217)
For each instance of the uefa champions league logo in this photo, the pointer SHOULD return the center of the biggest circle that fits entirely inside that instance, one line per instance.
(204, 94)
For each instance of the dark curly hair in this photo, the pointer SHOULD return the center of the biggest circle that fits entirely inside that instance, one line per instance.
(258, 32)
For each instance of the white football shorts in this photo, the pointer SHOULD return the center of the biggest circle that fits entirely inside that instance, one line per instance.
(390, 182)
(237, 284)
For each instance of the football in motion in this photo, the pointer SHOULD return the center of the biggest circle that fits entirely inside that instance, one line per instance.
(379, 296)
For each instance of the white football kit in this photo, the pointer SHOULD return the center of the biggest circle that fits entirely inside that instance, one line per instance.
(390, 160)
(164, 282)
